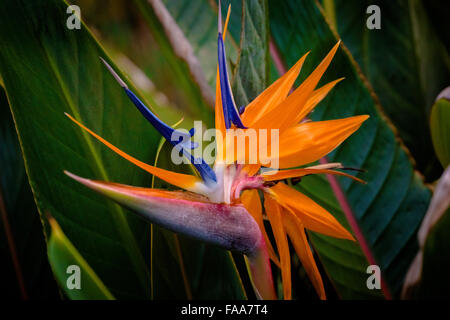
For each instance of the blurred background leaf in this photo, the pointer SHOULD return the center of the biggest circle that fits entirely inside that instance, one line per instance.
(135, 30)
(48, 70)
(24, 268)
(434, 282)
(440, 128)
(391, 206)
(426, 278)
(405, 62)
(132, 30)
(438, 12)
(198, 21)
(181, 57)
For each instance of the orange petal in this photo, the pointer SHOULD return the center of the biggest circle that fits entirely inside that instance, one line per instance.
(273, 211)
(308, 142)
(286, 113)
(296, 232)
(181, 180)
(250, 200)
(317, 96)
(272, 96)
(295, 173)
(313, 216)
(251, 169)
(225, 28)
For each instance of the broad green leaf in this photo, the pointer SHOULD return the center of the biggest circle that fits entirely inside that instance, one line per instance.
(20, 228)
(438, 12)
(426, 278)
(406, 64)
(391, 206)
(48, 70)
(184, 66)
(187, 268)
(136, 31)
(133, 30)
(440, 130)
(71, 269)
(123, 32)
(198, 21)
(252, 71)
(160, 104)
(435, 280)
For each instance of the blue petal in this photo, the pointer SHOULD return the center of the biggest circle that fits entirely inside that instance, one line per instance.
(163, 128)
(166, 131)
(230, 111)
(183, 144)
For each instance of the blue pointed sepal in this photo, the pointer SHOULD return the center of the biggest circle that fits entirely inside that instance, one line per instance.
(180, 140)
(230, 111)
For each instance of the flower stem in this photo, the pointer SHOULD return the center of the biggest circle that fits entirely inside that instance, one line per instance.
(260, 272)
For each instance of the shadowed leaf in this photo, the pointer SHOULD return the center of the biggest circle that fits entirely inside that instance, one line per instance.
(48, 70)
(25, 268)
(390, 207)
(406, 64)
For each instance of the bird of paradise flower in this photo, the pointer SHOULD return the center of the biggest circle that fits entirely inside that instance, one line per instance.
(223, 205)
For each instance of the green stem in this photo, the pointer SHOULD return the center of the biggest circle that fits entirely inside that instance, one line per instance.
(260, 272)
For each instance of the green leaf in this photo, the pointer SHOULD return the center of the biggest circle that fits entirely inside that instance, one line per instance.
(21, 237)
(120, 27)
(187, 268)
(391, 206)
(438, 12)
(64, 255)
(440, 132)
(198, 21)
(425, 278)
(252, 71)
(406, 64)
(434, 282)
(121, 30)
(187, 63)
(48, 70)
